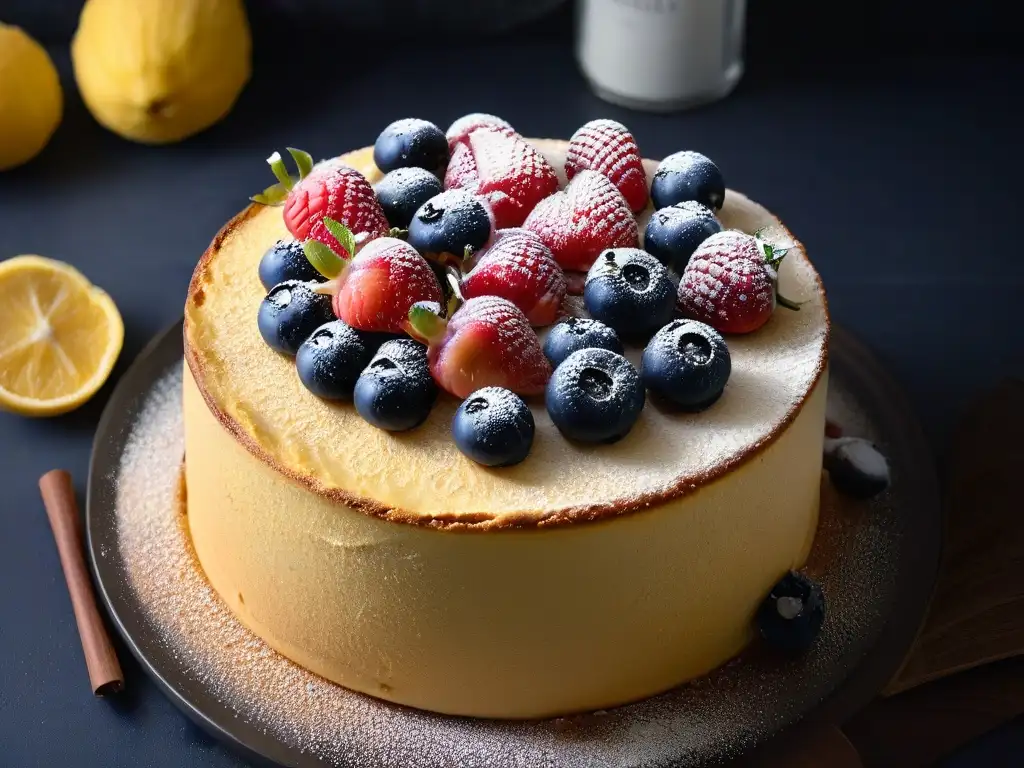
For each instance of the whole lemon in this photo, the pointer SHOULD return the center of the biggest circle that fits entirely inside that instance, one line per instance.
(157, 71)
(31, 100)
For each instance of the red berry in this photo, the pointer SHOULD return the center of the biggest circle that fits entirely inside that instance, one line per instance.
(608, 147)
(487, 343)
(337, 192)
(578, 223)
(520, 268)
(504, 169)
(376, 288)
(730, 283)
(459, 131)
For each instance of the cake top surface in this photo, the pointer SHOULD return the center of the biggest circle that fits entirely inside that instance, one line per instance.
(420, 476)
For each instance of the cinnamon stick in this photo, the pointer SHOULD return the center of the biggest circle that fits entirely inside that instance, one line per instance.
(62, 509)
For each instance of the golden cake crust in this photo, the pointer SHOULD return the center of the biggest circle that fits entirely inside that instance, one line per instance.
(484, 520)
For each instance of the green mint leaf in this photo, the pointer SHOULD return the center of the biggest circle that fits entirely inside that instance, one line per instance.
(324, 260)
(342, 234)
(272, 195)
(303, 161)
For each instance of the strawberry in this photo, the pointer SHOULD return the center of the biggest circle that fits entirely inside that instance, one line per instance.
(730, 282)
(608, 147)
(578, 223)
(520, 268)
(504, 169)
(330, 190)
(459, 131)
(487, 343)
(374, 290)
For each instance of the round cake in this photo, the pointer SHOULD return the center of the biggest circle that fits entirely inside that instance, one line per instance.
(585, 577)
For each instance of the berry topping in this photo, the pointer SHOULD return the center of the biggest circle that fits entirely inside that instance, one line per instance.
(856, 467)
(575, 333)
(687, 176)
(290, 313)
(730, 283)
(403, 191)
(589, 216)
(504, 169)
(330, 190)
(487, 343)
(494, 427)
(374, 290)
(451, 225)
(686, 364)
(595, 396)
(285, 260)
(630, 291)
(411, 143)
(674, 233)
(458, 132)
(520, 268)
(790, 618)
(395, 391)
(609, 148)
(329, 362)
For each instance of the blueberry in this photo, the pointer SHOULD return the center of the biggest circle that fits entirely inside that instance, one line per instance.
(494, 427)
(674, 233)
(595, 396)
(285, 260)
(856, 467)
(329, 362)
(411, 143)
(790, 618)
(403, 191)
(449, 223)
(290, 313)
(688, 176)
(630, 291)
(686, 364)
(396, 392)
(578, 333)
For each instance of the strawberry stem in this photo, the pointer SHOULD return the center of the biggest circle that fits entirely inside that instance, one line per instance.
(327, 289)
(280, 171)
(425, 322)
(323, 258)
(398, 232)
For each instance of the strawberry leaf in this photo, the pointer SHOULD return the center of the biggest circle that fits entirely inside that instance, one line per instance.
(425, 322)
(324, 260)
(276, 164)
(342, 234)
(272, 195)
(303, 161)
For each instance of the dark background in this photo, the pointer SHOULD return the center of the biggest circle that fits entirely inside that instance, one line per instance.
(886, 135)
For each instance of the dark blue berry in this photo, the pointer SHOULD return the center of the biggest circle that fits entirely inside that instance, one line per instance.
(411, 143)
(329, 362)
(687, 365)
(630, 291)
(856, 467)
(403, 191)
(290, 313)
(790, 618)
(285, 260)
(687, 176)
(595, 396)
(396, 392)
(577, 333)
(494, 427)
(448, 224)
(674, 233)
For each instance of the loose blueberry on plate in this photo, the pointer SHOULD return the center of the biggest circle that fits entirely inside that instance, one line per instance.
(686, 364)
(411, 143)
(790, 618)
(494, 427)
(395, 392)
(630, 291)
(577, 333)
(595, 396)
(674, 233)
(403, 191)
(687, 176)
(290, 313)
(856, 467)
(329, 362)
(451, 225)
(285, 260)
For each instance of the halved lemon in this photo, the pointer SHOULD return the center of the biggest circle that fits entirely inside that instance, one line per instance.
(59, 336)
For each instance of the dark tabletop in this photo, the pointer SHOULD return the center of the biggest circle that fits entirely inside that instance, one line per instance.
(900, 174)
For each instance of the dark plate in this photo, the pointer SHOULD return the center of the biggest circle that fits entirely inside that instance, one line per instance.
(853, 369)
